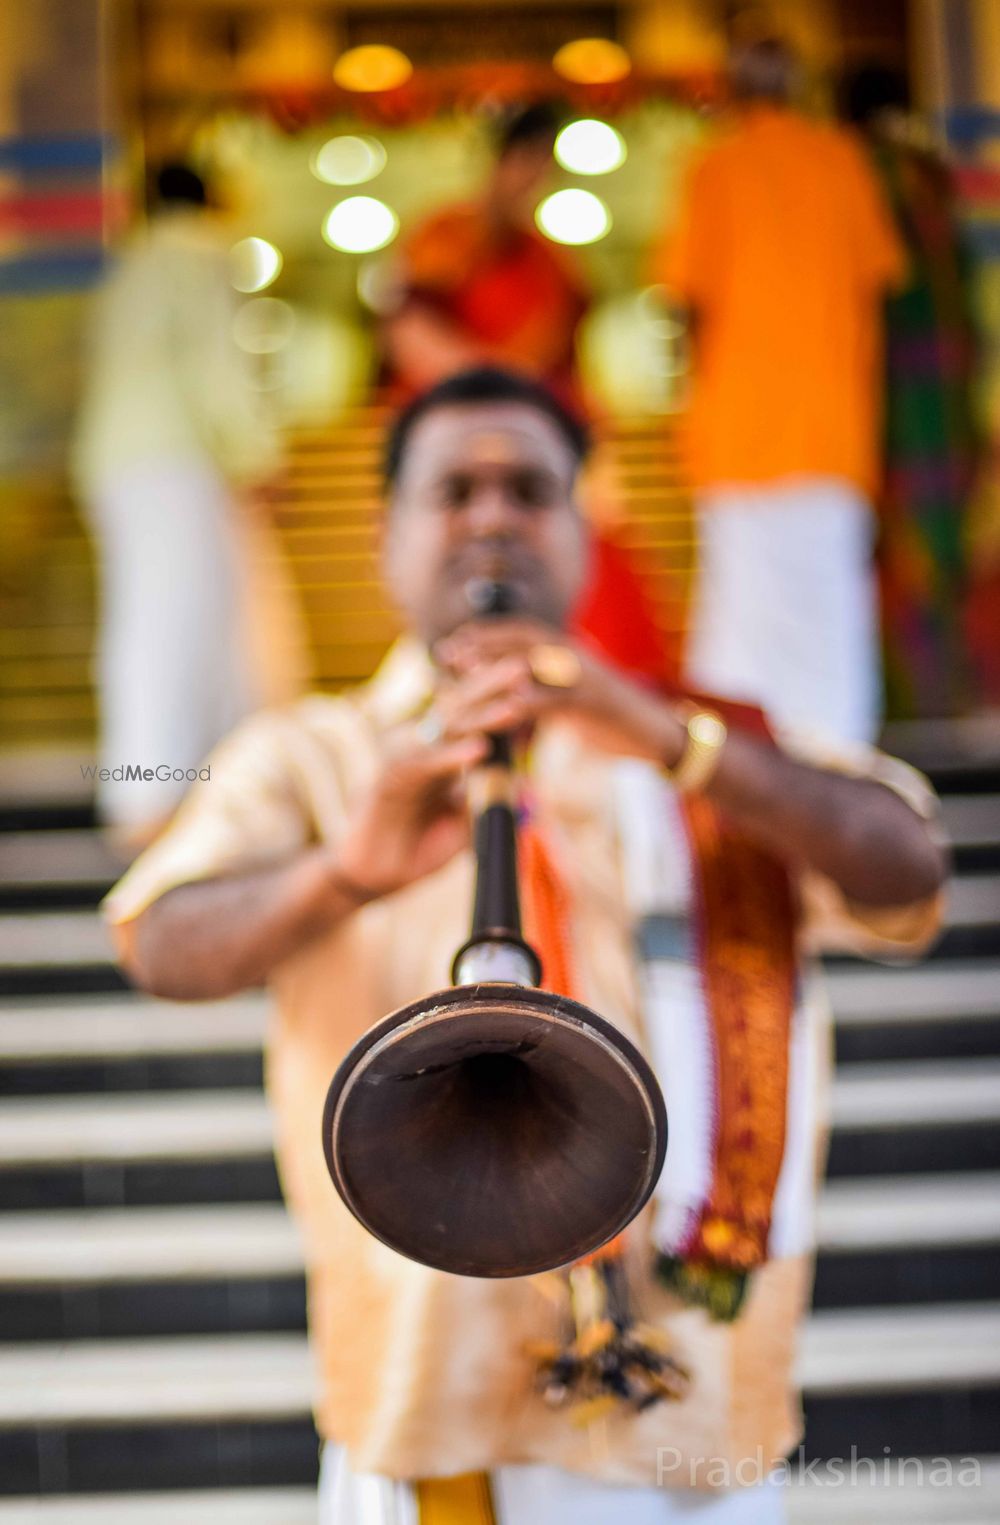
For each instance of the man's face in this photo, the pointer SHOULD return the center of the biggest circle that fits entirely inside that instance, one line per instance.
(485, 490)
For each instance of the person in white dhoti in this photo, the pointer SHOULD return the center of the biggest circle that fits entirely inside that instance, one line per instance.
(174, 456)
(676, 867)
(782, 253)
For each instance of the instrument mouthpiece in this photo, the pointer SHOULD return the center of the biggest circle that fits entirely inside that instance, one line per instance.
(490, 596)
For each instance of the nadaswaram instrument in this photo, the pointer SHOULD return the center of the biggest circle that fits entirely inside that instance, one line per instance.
(495, 1128)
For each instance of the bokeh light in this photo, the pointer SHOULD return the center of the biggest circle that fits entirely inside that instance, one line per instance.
(372, 67)
(254, 264)
(590, 147)
(378, 285)
(360, 225)
(592, 61)
(348, 160)
(573, 217)
(263, 325)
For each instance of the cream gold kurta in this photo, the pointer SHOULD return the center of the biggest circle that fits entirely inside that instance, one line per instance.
(421, 1373)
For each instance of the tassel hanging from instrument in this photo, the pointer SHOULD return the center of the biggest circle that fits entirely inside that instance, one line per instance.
(607, 1361)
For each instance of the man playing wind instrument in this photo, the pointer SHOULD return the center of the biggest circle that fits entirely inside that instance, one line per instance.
(679, 865)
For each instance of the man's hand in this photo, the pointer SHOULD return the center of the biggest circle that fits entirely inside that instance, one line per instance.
(490, 684)
(854, 831)
(235, 930)
(414, 818)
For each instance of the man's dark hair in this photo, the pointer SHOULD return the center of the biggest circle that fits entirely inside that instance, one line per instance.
(482, 384)
(538, 123)
(176, 182)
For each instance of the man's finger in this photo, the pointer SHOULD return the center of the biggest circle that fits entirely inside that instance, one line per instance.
(485, 682)
(500, 715)
(472, 642)
(445, 759)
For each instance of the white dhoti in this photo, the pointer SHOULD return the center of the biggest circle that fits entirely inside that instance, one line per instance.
(545, 1496)
(784, 611)
(177, 666)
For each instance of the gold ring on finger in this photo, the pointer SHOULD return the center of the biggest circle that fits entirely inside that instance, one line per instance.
(555, 666)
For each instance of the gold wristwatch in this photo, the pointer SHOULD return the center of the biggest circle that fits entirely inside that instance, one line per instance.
(706, 737)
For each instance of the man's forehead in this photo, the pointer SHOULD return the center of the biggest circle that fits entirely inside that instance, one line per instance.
(502, 434)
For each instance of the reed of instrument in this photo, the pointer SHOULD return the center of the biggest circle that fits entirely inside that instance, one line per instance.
(495, 1128)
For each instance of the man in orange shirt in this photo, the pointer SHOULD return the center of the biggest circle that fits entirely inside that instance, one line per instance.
(782, 254)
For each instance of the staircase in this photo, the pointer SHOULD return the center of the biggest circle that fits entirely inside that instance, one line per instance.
(327, 522)
(151, 1297)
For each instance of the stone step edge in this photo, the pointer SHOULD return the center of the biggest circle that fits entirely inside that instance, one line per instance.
(235, 1123)
(232, 1241)
(46, 1029)
(67, 939)
(263, 1377)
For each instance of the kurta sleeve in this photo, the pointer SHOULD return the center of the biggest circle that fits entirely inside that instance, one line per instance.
(247, 810)
(832, 922)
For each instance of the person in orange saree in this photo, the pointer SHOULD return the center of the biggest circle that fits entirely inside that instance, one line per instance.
(478, 284)
(673, 874)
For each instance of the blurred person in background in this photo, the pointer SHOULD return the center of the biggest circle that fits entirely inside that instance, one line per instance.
(478, 284)
(782, 254)
(930, 436)
(672, 881)
(176, 460)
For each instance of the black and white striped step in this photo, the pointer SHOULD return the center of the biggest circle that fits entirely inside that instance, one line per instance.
(129, 1043)
(75, 866)
(270, 1376)
(133, 1149)
(146, 1271)
(124, 1041)
(141, 1272)
(55, 868)
(76, 940)
(912, 1116)
(904, 1112)
(178, 1412)
(949, 1009)
(151, 1244)
(908, 1240)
